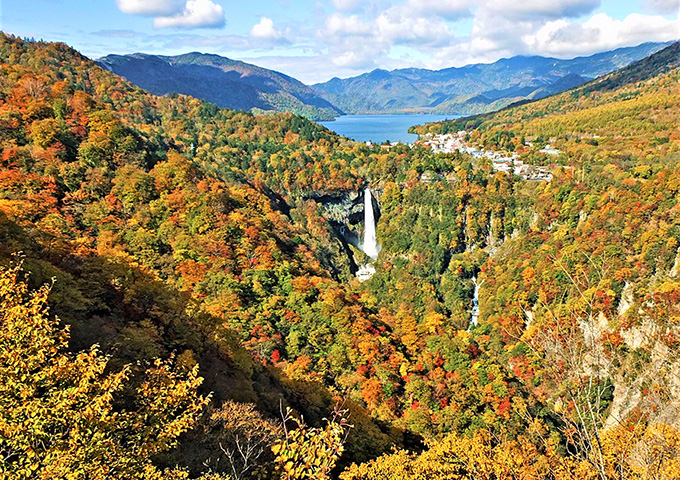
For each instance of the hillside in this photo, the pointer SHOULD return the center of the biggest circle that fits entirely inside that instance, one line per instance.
(226, 83)
(473, 88)
(617, 110)
(206, 253)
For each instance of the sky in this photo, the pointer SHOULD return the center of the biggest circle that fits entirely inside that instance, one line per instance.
(314, 41)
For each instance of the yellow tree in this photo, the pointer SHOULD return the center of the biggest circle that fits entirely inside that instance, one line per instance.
(480, 457)
(310, 453)
(64, 415)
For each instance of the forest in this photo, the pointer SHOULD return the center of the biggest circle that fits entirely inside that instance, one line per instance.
(176, 301)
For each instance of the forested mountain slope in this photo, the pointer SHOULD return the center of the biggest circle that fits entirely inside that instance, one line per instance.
(222, 81)
(178, 230)
(473, 88)
(158, 240)
(579, 282)
(631, 109)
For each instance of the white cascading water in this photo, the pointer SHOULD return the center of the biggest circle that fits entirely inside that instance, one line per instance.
(475, 302)
(370, 243)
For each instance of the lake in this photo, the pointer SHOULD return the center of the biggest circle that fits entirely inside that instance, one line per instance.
(378, 128)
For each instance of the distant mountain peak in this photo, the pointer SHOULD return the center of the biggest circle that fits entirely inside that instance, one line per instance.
(449, 90)
(379, 73)
(225, 82)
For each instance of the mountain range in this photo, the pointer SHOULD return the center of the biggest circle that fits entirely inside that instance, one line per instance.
(474, 88)
(466, 90)
(655, 65)
(225, 82)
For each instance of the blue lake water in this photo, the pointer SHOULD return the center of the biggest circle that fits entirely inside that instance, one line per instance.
(378, 128)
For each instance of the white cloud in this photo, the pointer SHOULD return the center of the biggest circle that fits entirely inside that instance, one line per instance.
(355, 42)
(357, 53)
(466, 53)
(196, 13)
(360, 35)
(348, 5)
(494, 33)
(664, 6)
(338, 24)
(600, 33)
(538, 9)
(449, 9)
(425, 29)
(265, 30)
(151, 8)
(398, 25)
(353, 59)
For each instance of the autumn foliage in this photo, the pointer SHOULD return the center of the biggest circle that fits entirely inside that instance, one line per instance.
(202, 237)
(62, 414)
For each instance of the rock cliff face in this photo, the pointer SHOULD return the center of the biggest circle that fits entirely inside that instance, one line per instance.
(643, 372)
(346, 208)
(345, 213)
(632, 383)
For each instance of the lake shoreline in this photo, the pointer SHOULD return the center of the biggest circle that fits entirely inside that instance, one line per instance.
(380, 128)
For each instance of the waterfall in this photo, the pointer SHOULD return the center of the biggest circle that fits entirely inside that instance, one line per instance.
(370, 242)
(475, 302)
(626, 298)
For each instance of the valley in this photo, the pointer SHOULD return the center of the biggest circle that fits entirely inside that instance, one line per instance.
(178, 280)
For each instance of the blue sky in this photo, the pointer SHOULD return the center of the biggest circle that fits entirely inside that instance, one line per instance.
(316, 40)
